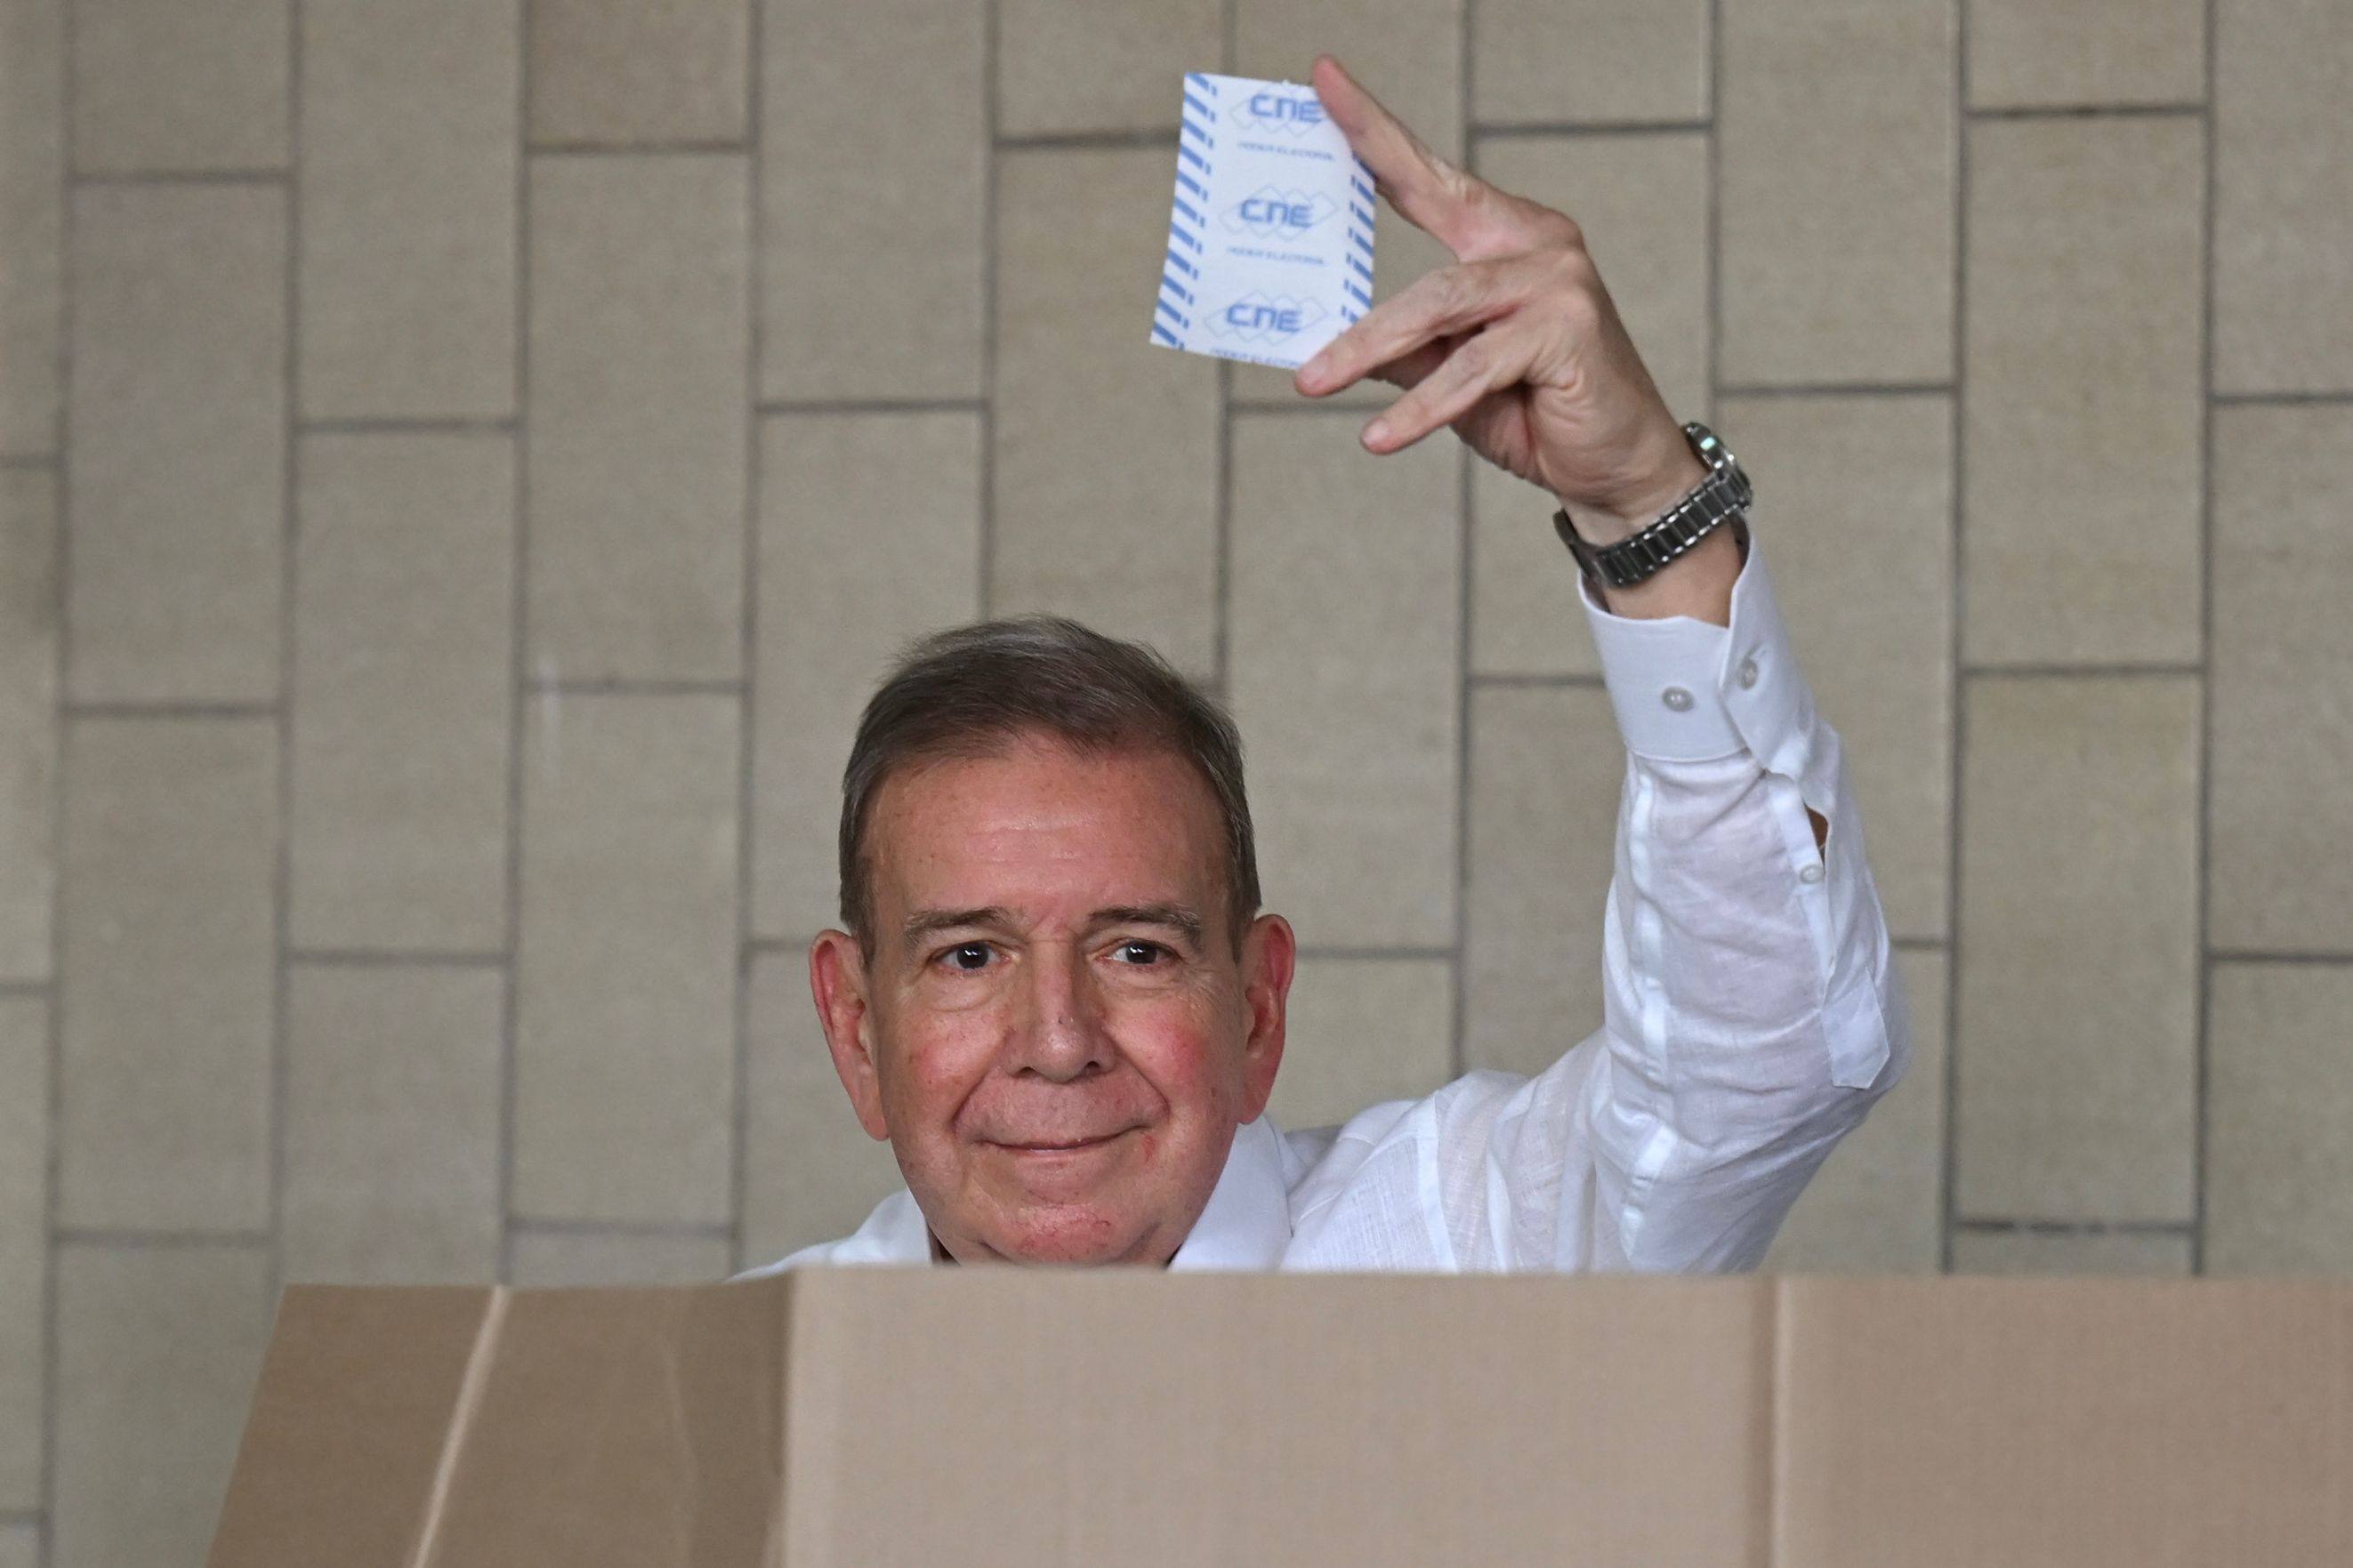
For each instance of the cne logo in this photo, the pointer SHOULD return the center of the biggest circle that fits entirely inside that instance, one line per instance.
(1268, 110)
(1271, 214)
(1259, 317)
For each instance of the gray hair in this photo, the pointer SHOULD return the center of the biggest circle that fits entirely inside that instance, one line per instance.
(970, 690)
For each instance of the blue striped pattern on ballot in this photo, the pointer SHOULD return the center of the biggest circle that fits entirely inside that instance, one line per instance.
(1271, 230)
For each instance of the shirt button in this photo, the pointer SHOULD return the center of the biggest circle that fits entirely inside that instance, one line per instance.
(1676, 698)
(1747, 673)
(1810, 874)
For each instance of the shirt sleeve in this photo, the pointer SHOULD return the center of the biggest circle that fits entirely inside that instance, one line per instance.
(1752, 1014)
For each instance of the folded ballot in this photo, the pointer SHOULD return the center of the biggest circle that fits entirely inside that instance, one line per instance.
(1271, 235)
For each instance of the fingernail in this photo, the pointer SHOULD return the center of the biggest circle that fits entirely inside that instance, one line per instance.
(1376, 432)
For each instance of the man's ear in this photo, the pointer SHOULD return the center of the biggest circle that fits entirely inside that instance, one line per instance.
(1270, 953)
(838, 983)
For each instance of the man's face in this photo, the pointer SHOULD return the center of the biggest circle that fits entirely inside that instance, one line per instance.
(1054, 1031)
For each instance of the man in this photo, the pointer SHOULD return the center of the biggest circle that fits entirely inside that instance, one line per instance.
(1056, 996)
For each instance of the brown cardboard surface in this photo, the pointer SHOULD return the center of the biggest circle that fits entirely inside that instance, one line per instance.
(917, 1416)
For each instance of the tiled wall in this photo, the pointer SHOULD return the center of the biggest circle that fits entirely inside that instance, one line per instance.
(466, 462)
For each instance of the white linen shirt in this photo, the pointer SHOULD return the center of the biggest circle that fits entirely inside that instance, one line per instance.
(1752, 1018)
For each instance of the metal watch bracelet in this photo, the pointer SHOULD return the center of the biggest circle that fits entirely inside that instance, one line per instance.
(1706, 507)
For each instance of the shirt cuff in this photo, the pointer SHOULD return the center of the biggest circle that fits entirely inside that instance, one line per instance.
(1689, 691)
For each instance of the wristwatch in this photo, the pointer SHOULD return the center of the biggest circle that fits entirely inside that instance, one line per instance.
(1706, 506)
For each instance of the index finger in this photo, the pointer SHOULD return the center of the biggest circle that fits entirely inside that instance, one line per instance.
(1422, 185)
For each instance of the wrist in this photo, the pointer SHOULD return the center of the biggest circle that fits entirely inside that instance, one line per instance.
(1608, 522)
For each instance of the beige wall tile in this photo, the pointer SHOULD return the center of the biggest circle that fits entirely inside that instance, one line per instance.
(640, 341)
(622, 72)
(2082, 405)
(1546, 769)
(158, 1348)
(1855, 521)
(2282, 878)
(2114, 1252)
(2283, 196)
(173, 84)
(1344, 675)
(1643, 201)
(1113, 65)
(2034, 52)
(625, 1046)
(869, 536)
(1106, 463)
(810, 1174)
(843, 185)
(1536, 60)
(1408, 54)
(168, 980)
(177, 479)
(392, 1124)
(1362, 1031)
(2079, 949)
(20, 1545)
(32, 215)
(29, 690)
(2279, 1173)
(1835, 133)
(1876, 1206)
(24, 1246)
(546, 1257)
(410, 120)
(403, 665)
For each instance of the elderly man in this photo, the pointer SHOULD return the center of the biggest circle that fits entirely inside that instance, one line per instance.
(1056, 996)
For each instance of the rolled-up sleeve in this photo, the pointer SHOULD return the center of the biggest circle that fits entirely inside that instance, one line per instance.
(1752, 1013)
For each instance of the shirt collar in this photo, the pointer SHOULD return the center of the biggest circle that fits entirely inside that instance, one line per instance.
(1246, 1225)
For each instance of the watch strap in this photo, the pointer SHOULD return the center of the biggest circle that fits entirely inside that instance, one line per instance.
(1718, 498)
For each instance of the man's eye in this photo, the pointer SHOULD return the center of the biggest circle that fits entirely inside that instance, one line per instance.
(1151, 952)
(975, 952)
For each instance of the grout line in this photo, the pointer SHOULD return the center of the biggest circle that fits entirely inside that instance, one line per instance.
(53, 1163)
(1976, 1227)
(186, 177)
(2277, 399)
(289, 523)
(2257, 956)
(131, 1238)
(869, 404)
(1221, 543)
(1948, 1171)
(517, 653)
(1458, 1046)
(632, 686)
(2090, 110)
(685, 147)
(623, 1228)
(41, 990)
(28, 462)
(1499, 129)
(984, 595)
(2202, 988)
(1485, 679)
(747, 718)
(390, 958)
(1839, 389)
(1065, 141)
(2078, 671)
(389, 425)
(111, 709)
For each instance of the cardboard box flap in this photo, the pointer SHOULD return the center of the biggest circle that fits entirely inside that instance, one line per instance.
(1003, 1416)
(2083, 1423)
(461, 1429)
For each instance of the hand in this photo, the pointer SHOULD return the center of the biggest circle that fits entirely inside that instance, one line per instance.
(1517, 347)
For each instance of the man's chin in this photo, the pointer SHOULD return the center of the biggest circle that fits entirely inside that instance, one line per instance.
(1071, 1233)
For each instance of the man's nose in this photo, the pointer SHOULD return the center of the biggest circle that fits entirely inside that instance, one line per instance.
(1059, 1029)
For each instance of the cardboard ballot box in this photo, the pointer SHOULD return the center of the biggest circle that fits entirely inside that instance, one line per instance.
(881, 1417)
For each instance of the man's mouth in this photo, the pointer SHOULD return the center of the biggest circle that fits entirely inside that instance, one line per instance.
(1061, 1145)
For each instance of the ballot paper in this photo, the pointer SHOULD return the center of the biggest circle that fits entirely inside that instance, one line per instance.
(1271, 238)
